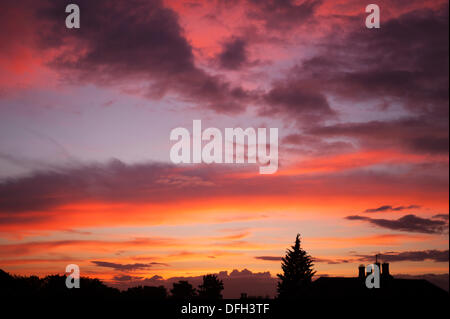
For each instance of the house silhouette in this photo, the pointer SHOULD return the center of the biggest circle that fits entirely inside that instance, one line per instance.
(390, 287)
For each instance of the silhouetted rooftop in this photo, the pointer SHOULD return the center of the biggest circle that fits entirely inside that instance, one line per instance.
(343, 287)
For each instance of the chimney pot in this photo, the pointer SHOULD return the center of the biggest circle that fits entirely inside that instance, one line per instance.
(385, 269)
(362, 272)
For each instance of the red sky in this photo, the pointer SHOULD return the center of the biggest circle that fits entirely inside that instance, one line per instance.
(85, 118)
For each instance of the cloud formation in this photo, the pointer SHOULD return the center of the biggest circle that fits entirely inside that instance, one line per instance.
(441, 216)
(281, 15)
(126, 278)
(292, 99)
(140, 48)
(126, 267)
(418, 134)
(389, 69)
(159, 61)
(234, 54)
(236, 282)
(364, 118)
(269, 258)
(407, 223)
(389, 208)
(44, 195)
(392, 256)
(35, 247)
(421, 255)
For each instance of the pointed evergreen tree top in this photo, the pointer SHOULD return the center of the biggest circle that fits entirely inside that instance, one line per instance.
(298, 271)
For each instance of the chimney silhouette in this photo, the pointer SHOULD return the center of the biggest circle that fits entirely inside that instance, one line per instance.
(362, 272)
(385, 269)
(378, 263)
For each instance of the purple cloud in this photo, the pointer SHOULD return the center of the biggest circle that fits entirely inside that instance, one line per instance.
(408, 223)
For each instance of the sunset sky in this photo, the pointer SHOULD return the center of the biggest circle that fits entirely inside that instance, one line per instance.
(86, 114)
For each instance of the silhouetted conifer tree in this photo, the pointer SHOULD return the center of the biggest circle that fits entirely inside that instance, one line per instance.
(297, 274)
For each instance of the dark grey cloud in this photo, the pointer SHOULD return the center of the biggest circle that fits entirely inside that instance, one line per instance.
(430, 144)
(234, 54)
(36, 197)
(404, 65)
(143, 41)
(139, 42)
(408, 223)
(111, 181)
(126, 278)
(421, 255)
(389, 208)
(126, 267)
(49, 188)
(316, 260)
(292, 100)
(392, 67)
(282, 15)
(407, 133)
(401, 61)
(269, 258)
(441, 216)
(332, 261)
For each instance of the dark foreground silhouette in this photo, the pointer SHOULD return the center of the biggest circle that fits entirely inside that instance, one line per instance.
(296, 283)
(54, 286)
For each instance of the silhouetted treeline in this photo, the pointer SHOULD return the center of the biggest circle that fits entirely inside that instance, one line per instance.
(54, 286)
(296, 283)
